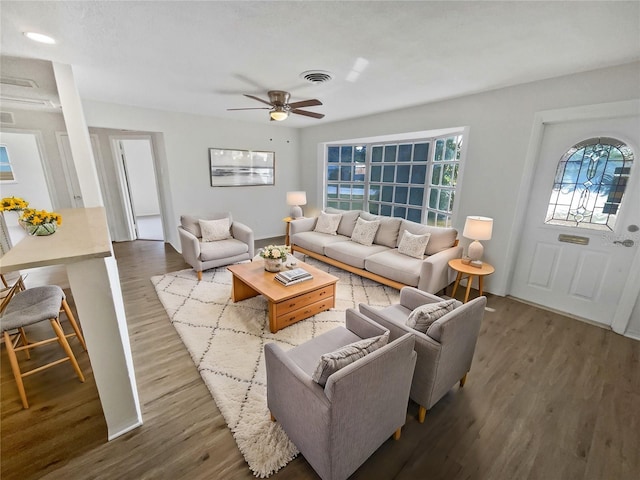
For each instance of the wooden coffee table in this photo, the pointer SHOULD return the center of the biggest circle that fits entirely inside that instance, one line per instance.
(287, 305)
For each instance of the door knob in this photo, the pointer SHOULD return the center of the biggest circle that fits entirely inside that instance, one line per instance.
(625, 243)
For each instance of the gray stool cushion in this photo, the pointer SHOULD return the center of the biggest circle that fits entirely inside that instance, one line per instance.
(31, 306)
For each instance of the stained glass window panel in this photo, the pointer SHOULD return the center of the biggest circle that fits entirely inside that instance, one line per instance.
(589, 185)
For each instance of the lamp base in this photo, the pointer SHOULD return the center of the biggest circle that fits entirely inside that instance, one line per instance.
(296, 212)
(475, 250)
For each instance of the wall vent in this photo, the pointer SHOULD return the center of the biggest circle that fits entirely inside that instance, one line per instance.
(317, 76)
(7, 118)
(18, 82)
(24, 101)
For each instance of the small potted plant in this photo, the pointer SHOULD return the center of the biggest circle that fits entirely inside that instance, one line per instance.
(40, 222)
(274, 257)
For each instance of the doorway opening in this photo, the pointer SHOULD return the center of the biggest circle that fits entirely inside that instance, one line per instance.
(136, 166)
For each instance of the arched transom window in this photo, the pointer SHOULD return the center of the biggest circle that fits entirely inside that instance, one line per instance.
(589, 184)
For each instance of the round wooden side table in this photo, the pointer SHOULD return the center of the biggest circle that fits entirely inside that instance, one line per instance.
(470, 271)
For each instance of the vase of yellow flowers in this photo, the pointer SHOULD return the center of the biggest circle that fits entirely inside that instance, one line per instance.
(10, 208)
(39, 222)
(9, 204)
(274, 256)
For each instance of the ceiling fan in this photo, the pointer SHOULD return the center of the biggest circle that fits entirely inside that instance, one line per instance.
(280, 108)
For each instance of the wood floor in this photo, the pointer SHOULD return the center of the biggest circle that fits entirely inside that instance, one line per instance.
(548, 397)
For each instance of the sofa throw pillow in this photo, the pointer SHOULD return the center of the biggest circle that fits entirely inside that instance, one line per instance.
(365, 231)
(422, 317)
(214, 230)
(413, 245)
(328, 223)
(333, 361)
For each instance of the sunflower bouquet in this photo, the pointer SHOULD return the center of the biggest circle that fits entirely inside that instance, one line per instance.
(40, 222)
(9, 204)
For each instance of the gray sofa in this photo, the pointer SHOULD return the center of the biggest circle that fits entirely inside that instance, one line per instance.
(381, 260)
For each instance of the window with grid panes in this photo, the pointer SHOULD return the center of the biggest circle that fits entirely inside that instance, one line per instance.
(444, 176)
(399, 179)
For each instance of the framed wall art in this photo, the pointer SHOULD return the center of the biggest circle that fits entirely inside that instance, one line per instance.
(238, 168)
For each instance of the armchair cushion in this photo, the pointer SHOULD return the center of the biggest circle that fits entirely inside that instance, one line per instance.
(213, 230)
(365, 231)
(192, 224)
(223, 249)
(413, 245)
(423, 316)
(332, 362)
(328, 223)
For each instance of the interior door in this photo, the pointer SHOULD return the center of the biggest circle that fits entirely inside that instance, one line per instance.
(69, 169)
(570, 268)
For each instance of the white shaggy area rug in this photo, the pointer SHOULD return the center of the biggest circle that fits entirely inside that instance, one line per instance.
(226, 342)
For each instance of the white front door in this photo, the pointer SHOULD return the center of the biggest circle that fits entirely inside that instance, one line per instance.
(570, 268)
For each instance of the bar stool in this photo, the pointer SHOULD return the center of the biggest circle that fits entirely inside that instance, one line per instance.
(20, 309)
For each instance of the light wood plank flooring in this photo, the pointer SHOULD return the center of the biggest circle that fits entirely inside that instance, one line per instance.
(548, 397)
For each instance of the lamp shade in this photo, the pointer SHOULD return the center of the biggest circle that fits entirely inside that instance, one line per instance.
(478, 228)
(279, 114)
(296, 198)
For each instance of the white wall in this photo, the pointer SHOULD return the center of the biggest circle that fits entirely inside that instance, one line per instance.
(46, 124)
(184, 163)
(500, 125)
(634, 323)
(499, 121)
(141, 176)
(30, 183)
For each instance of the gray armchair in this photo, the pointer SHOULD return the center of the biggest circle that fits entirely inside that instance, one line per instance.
(339, 426)
(203, 255)
(445, 351)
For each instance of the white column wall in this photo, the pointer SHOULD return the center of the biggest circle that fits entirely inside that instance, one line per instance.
(78, 135)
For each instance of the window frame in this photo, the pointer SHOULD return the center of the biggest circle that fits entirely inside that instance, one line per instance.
(427, 215)
(8, 163)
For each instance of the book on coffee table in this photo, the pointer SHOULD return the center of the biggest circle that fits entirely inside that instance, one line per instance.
(290, 277)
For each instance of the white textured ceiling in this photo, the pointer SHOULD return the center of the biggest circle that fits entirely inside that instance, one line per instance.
(200, 57)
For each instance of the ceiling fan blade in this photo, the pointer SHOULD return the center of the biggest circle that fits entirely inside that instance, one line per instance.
(306, 103)
(256, 98)
(307, 114)
(256, 108)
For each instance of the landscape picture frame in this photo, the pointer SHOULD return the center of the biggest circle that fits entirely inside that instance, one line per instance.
(241, 168)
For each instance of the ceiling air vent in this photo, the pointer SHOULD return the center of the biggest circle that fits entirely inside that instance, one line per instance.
(18, 82)
(317, 76)
(7, 118)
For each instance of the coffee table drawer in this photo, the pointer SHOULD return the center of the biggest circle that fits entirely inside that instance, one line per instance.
(304, 300)
(305, 312)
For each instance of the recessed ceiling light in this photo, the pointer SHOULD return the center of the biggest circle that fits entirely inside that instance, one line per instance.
(39, 37)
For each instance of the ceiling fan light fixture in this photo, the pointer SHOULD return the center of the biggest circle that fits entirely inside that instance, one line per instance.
(278, 114)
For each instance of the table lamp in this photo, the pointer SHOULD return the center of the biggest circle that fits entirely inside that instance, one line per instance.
(477, 228)
(295, 199)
